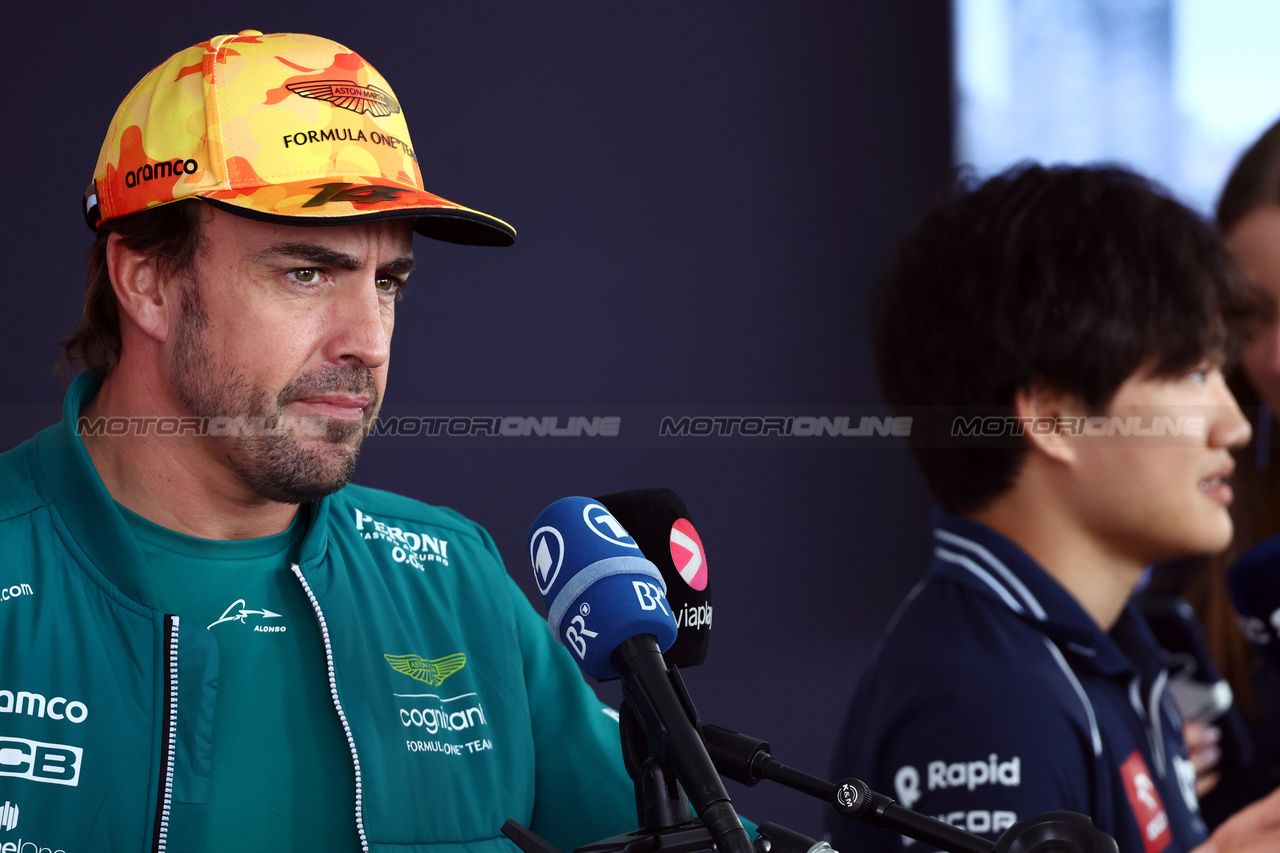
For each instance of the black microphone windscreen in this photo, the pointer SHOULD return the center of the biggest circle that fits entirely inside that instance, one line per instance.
(659, 522)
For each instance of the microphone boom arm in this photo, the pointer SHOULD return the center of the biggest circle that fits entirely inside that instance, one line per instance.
(746, 760)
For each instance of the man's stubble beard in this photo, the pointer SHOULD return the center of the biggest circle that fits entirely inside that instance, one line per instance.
(268, 456)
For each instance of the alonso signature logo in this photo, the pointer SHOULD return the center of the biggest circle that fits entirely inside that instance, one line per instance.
(237, 613)
(348, 95)
(433, 672)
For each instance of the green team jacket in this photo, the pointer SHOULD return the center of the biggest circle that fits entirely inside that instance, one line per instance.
(106, 703)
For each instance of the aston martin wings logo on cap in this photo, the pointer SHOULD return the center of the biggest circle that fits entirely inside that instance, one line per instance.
(433, 672)
(348, 95)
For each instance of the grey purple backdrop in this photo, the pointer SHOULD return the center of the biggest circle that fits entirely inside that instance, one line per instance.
(704, 193)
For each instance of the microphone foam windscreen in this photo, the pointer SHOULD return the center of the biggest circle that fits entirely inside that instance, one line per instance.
(598, 587)
(659, 522)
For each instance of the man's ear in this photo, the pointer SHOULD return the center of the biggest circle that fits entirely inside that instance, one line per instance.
(1042, 410)
(143, 294)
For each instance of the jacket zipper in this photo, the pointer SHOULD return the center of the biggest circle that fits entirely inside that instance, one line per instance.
(169, 732)
(337, 703)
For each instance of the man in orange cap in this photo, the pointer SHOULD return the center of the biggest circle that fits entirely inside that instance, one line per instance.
(212, 640)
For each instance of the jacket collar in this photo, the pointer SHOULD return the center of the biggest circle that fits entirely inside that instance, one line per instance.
(970, 553)
(69, 479)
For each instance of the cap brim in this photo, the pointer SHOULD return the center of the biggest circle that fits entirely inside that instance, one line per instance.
(335, 202)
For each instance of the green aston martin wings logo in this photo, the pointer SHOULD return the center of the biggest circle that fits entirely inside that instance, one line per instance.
(433, 672)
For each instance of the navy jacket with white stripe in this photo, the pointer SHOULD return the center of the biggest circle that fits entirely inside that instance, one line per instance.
(993, 697)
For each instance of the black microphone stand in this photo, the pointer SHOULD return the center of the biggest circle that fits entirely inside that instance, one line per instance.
(666, 820)
(669, 721)
(656, 729)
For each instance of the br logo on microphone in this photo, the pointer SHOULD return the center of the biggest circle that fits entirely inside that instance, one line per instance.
(604, 525)
(577, 633)
(546, 552)
(688, 555)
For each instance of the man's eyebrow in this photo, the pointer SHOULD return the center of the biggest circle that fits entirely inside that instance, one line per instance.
(323, 256)
(399, 266)
(312, 253)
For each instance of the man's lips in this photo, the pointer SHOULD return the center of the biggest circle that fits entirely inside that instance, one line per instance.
(338, 405)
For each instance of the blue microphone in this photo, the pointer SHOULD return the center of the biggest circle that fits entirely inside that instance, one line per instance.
(607, 604)
(598, 587)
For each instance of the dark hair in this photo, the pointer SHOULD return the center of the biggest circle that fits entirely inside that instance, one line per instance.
(1072, 277)
(171, 233)
(1254, 182)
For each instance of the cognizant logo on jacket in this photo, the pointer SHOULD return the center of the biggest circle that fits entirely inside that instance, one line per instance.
(456, 724)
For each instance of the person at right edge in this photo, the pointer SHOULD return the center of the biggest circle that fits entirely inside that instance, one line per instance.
(1059, 337)
(1248, 220)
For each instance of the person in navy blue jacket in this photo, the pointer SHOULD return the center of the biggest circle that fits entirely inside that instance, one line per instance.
(1058, 336)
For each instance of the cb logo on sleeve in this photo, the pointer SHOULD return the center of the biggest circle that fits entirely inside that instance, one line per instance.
(56, 763)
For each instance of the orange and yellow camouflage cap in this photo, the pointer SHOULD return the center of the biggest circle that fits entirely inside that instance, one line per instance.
(283, 127)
